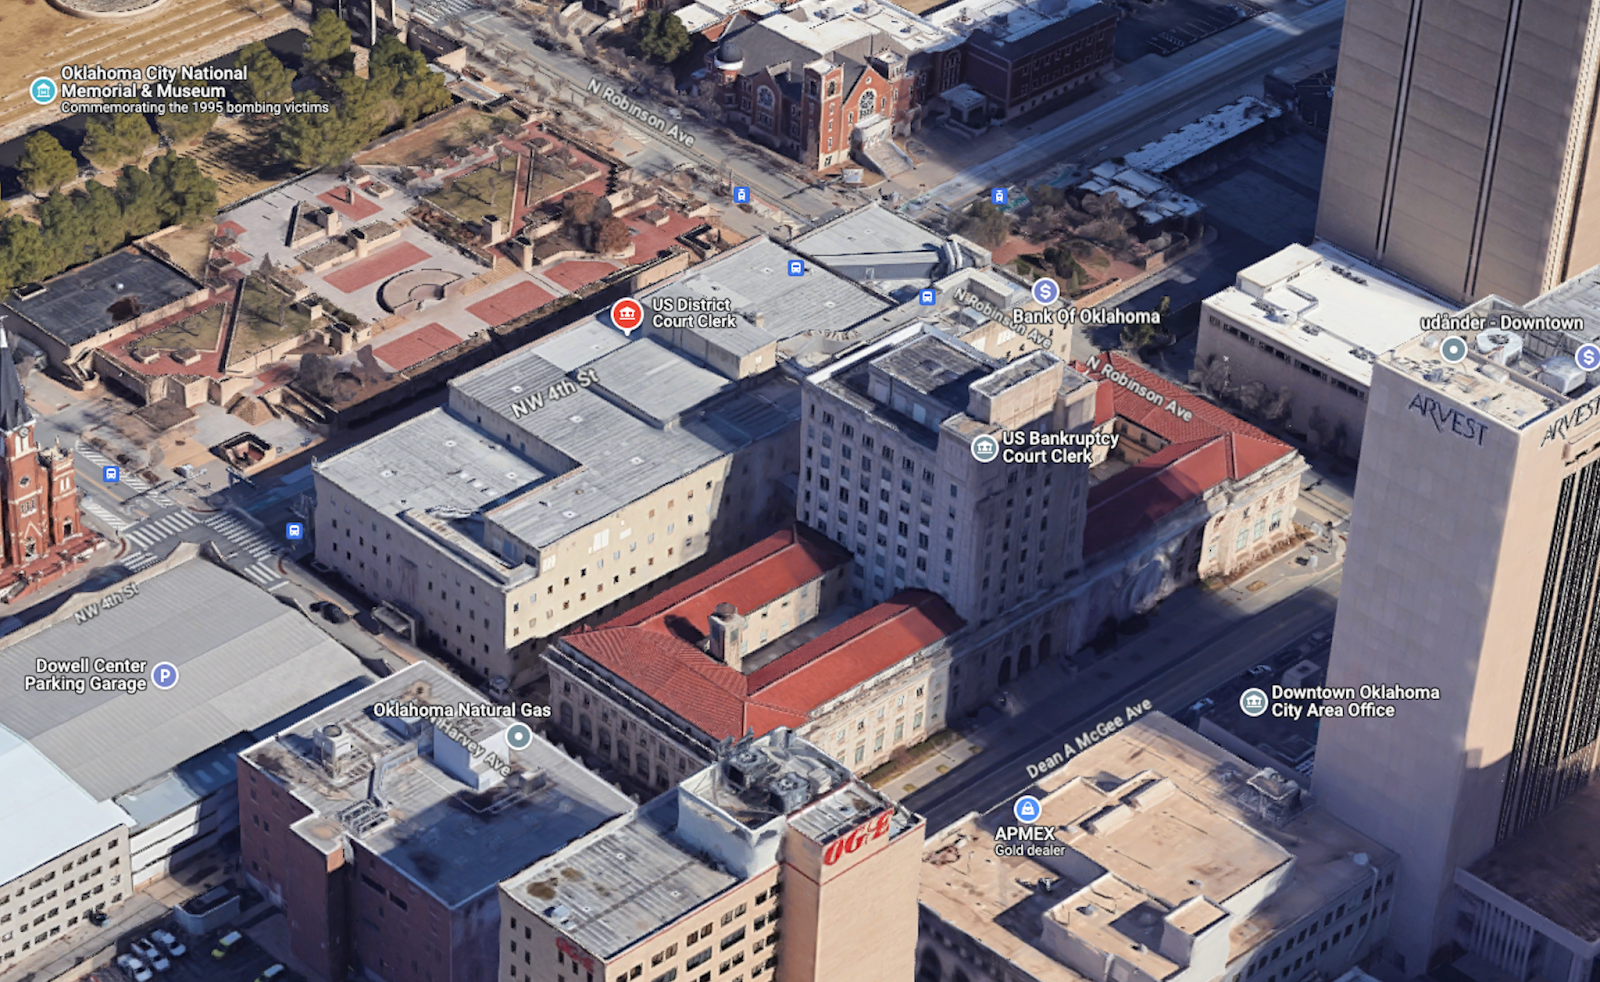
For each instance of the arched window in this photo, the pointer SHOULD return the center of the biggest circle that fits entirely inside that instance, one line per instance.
(869, 103)
(566, 716)
(764, 97)
(833, 88)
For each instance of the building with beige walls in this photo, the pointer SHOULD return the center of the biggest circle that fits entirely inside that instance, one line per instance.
(567, 476)
(1112, 489)
(1296, 335)
(1157, 857)
(66, 854)
(772, 863)
(1472, 556)
(761, 640)
(1461, 150)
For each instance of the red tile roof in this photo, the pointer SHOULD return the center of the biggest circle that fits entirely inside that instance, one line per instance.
(1210, 447)
(754, 577)
(642, 649)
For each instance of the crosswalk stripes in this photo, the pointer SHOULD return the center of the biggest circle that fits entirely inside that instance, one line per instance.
(114, 521)
(154, 530)
(135, 561)
(259, 572)
(128, 479)
(247, 537)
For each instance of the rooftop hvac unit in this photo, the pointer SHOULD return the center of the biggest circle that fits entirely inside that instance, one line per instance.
(333, 745)
(1562, 374)
(788, 792)
(744, 767)
(1500, 346)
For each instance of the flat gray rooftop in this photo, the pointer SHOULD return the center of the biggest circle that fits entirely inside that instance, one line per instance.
(447, 837)
(435, 460)
(77, 305)
(754, 278)
(43, 814)
(878, 246)
(933, 366)
(618, 456)
(656, 381)
(622, 885)
(581, 344)
(243, 659)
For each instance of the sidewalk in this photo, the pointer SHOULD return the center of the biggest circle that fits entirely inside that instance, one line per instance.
(1064, 690)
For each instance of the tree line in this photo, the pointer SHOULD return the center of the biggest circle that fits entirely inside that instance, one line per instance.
(88, 223)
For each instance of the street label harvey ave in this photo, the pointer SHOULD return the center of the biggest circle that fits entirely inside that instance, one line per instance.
(1088, 738)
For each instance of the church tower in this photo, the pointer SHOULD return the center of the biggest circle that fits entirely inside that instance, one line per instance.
(40, 507)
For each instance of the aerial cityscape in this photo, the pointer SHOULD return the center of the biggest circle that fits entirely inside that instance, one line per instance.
(799, 491)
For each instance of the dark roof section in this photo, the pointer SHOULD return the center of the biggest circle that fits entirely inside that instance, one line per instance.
(1044, 37)
(13, 407)
(97, 296)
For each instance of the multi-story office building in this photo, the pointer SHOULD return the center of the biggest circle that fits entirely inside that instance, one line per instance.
(382, 826)
(562, 478)
(161, 790)
(66, 854)
(1471, 567)
(888, 470)
(772, 863)
(1112, 489)
(1461, 152)
(1162, 856)
(760, 640)
(1296, 335)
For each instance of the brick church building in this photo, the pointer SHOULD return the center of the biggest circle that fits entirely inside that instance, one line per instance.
(41, 531)
(829, 82)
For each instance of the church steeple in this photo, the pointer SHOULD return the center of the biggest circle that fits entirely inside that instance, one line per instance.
(14, 412)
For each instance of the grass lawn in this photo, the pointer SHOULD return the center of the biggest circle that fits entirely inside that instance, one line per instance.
(543, 184)
(431, 142)
(261, 307)
(200, 331)
(467, 197)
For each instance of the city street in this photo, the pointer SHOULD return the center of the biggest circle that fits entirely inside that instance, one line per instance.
(1194, 642)
(1123, 118)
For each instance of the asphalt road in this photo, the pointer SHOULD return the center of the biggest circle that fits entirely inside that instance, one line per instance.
(1192, 89)
(999, 774)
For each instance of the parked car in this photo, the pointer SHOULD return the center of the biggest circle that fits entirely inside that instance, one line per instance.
(1203, 706)
(334, 614)
(152, 956)
(226, 944)
(135, 968)
(1320, 636)
(169, 941)
(272, 973)
(1257, 671)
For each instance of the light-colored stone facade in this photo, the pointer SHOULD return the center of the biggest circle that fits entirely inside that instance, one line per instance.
(44, 902)
(1462, 144)
(1471, 537)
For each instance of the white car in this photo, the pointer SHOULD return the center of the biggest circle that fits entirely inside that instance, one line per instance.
(135, 968)
(151, 954)
(169, 941)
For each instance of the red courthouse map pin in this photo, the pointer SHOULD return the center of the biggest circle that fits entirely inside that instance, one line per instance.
(627, 314)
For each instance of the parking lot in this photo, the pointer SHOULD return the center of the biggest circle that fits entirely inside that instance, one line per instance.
(244, 963)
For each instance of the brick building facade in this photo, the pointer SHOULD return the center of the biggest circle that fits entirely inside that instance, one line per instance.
(40, 529)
